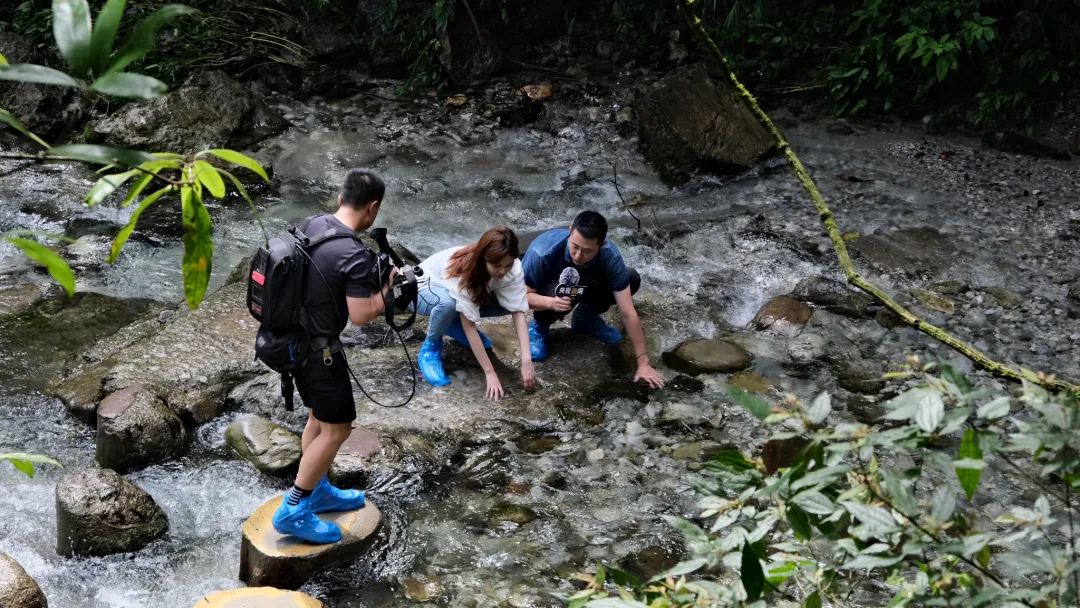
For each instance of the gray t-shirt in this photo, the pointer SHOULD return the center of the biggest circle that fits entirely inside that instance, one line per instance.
(348, 268)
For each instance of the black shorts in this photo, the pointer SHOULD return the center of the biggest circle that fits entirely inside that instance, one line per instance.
(327, 389)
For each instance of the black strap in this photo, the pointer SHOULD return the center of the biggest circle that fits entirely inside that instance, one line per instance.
(287, 390)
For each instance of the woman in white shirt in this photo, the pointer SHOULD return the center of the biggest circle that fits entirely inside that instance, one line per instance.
(460, 286)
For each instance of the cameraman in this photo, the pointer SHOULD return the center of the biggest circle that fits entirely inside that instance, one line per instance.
(607, 280)
(342, 282)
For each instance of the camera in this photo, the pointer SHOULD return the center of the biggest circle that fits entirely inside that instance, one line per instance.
(404, 290)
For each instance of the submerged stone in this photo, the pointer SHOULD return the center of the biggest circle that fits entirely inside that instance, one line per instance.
(258, 597)
(781, 311)
(700, 356)
(509, 512)
(423, 589)
(268, 558)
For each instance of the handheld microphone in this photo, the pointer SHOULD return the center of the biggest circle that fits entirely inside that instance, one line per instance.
(569, 284)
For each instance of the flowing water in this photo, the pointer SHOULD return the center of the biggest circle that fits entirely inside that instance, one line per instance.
(751, 237)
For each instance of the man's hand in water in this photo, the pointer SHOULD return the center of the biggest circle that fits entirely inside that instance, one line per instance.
(561, 304)
(646, 372)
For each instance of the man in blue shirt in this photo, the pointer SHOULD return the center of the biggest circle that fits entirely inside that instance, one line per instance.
(607, 280)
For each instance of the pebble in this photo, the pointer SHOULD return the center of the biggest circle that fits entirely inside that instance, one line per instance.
(596, 455)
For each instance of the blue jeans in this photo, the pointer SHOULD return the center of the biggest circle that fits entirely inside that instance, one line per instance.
(436, 303)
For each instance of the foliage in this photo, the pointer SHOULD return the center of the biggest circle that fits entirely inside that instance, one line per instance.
(25, 462)
(90, 51)
(848, 509)
(997, 60)
(417, 37)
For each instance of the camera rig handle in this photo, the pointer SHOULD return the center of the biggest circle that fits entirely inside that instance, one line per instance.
(379, 236)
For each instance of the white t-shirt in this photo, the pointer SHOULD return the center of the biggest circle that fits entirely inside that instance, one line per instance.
(509, 290)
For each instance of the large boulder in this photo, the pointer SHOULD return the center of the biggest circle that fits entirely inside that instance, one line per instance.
(272, 449)
(17, 589)
(98, 512)
(210, 110)
(268, 558)
(833, 296)
(258, 597)
(53, 112)
(192, 363)
(700, 356)
(910, 251)
(134, 429)
(690, 123)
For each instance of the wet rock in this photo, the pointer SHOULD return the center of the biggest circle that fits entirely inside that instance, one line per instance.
(1005, 297)
(52, 112)
(194, 361)
(808, 349)
(624, 121)
(859, 376)
(82, 393)
(258, 596)
(17, 589)
(653, 559)
(699, 356)
(98, 512)
(539, 445)
(749, 381)
(423, 589)
(286, 562)
(272, 449)
(781, 311)
(211, 110)
(509, 512)
(949, 287)
(911, 251)
(833, 296)
(18, 299)
(710, 129)
(888, 319)
(865, 409)
(135, 429)
(353, 464)
(689, 451)
(1074, 293)
(1012, 141)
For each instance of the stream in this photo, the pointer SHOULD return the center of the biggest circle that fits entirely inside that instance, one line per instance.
(505, 524)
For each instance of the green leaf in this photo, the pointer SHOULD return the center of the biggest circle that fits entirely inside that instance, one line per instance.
(929, 411)
(237, 158)
(969, 450)
(681, 568)
(47, 258)
(209, 178)
(601, 576)
(134, 86)
(122, 237)
(139, 43)
(757, 406)
(25, 462)
(107, 185)
(3, 60)
(10, 119)
(814, 502)
(623, 578)
(104, 155)
(820, 409)
(869, 562)
(958, 379)
(821, 476)
(71, 28)
(812, 601)
(137, 188)
(104, 34)
(614, 602)
(799, 522)
(198, 246)
(877, 519)
(943, 505)
(733, 459)
(753, 578)
(38, 74)
(998, 408)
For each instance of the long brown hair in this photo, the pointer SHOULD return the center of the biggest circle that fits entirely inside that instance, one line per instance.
(468, 262)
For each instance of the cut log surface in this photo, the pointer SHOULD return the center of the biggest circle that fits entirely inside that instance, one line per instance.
(258, 597)
(268, 558)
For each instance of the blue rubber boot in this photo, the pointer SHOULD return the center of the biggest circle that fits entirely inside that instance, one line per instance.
(585, 321)
(430, 361)
(457, 332)
(538, 335)
(326, 497)
(299, 521)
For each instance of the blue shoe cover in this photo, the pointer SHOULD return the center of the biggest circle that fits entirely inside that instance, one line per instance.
(430, 361)
(299, 521)
(326, 497)
(585, 321)
(457, 332)
(538, 335)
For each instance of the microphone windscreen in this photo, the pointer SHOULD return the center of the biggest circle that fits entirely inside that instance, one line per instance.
(569, 276)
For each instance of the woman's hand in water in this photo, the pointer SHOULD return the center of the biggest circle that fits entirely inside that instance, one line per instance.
(528, 376)
(494, 387)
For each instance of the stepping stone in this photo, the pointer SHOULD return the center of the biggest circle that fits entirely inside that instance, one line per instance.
(258, 597)
(286, 562)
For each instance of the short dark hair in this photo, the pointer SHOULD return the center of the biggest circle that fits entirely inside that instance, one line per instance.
(591, 225)
(361, 187)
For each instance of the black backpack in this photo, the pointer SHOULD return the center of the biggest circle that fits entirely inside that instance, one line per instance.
(275, 297)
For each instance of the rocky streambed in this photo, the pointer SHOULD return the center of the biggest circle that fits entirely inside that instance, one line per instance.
(495, 504)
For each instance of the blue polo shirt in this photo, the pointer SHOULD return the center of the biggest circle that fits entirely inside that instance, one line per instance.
(549, 254)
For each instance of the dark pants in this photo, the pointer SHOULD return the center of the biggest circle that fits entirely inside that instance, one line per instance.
(598, 297)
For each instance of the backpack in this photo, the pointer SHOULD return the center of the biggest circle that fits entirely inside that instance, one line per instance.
(275, 298)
